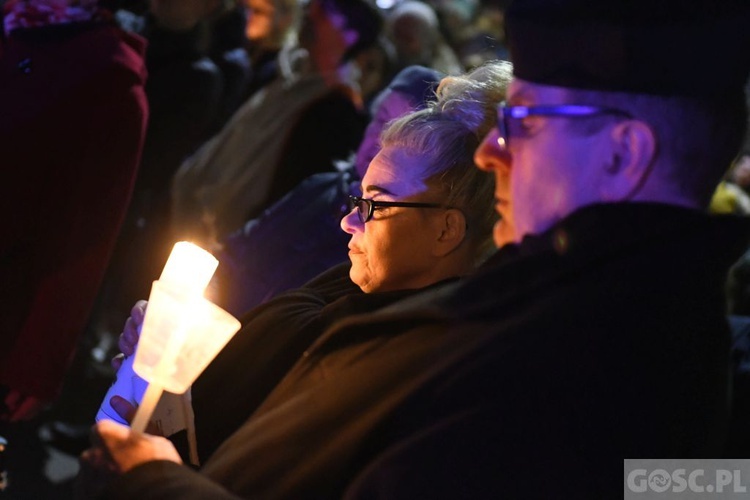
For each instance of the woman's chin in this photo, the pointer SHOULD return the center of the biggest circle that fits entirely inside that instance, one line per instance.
(358, 277)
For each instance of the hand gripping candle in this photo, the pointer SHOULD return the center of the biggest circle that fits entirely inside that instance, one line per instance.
(181, 334)
(188, 269)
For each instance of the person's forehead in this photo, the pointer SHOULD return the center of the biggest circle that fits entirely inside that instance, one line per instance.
(396, 171)
(387, 167)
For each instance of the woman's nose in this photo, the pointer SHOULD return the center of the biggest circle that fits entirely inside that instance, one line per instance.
(350, 222)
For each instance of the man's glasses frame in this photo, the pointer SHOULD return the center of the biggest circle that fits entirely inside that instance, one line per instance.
(366, 206)
(506, 113)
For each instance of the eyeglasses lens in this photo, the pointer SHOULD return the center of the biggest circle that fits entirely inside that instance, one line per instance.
(362, 206)
(363, 210)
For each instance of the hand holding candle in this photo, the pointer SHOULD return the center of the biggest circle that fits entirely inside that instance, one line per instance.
(182, 331)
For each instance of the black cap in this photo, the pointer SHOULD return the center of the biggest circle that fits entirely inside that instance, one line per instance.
(695, 48)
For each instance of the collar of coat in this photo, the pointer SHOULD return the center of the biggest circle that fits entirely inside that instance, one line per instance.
(647, 235)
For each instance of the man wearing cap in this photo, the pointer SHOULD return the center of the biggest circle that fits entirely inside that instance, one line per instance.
(597, 332)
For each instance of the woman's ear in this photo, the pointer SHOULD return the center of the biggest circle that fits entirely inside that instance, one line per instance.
(451, 231)
(632, 156)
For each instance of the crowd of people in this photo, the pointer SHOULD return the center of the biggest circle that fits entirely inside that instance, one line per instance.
(542, 204)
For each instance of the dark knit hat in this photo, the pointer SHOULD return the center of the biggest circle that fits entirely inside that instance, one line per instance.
(418, 82)
(696, 48)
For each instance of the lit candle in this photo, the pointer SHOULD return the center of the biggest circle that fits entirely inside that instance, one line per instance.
(189, 268)
(188, 271)
(182, 331)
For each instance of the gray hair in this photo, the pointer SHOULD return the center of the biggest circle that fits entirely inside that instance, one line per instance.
(448, 132)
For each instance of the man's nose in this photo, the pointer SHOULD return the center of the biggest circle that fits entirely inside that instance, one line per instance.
(490, 156)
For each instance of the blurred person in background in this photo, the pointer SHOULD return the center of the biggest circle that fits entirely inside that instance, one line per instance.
(414, 29)
(71, 132)
(373, 68)
(271, 25)
(739, 173)
(276, 139)
(484, 38)
(185, 90)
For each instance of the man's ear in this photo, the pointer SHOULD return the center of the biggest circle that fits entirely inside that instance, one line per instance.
(451, 231)
(632, 156)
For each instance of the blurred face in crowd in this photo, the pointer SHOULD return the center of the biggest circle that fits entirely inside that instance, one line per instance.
(741, 171)
(394, 250)
(260, 19)
(373, 64)
(412, 38)
(269, 22)
(547, 169)
(390, 105)
(324, 31)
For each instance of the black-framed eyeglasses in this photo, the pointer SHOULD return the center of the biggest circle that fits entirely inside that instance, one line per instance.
(366, 207)
(506, 113)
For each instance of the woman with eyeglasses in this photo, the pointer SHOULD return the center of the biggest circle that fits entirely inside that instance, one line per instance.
(424, 213)
(425, 217)
(277, 252)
